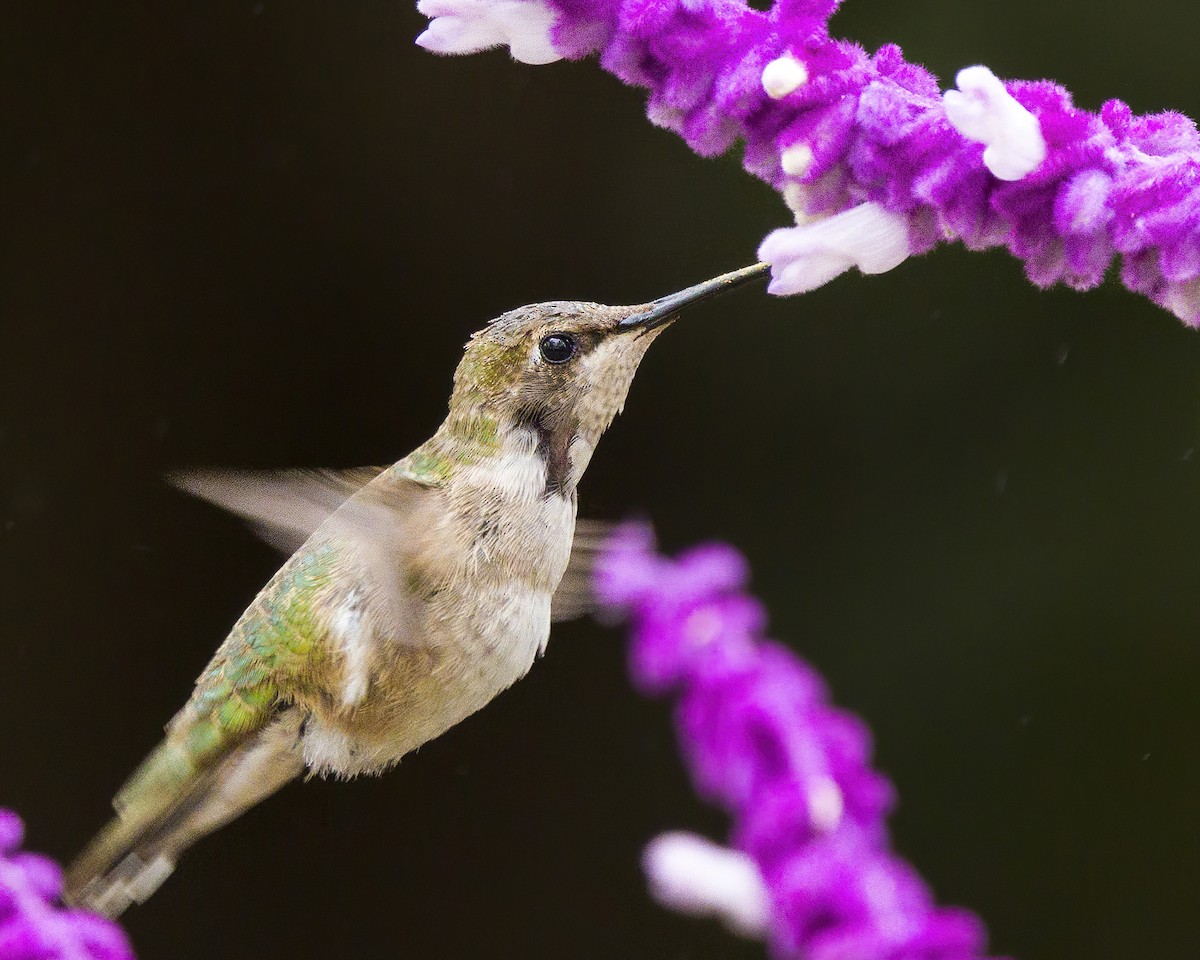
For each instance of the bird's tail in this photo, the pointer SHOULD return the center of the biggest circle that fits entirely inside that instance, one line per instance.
(179, 794)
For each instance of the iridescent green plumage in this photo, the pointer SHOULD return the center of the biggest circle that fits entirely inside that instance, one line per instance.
(275, 646)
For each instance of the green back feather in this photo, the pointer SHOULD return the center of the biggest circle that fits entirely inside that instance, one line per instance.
(274, 648)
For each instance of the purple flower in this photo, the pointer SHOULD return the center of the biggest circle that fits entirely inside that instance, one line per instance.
(811, 870)
(31, 926)
(873, 159)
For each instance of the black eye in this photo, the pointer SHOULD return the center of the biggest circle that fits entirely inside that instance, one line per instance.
(558, 347)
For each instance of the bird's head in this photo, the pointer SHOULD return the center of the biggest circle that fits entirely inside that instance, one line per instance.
(562, 369)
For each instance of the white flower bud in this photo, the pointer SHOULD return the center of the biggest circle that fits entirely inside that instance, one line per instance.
(796, 160)
(782, 76)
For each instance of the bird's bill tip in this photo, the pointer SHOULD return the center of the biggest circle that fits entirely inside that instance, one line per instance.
(667, 308)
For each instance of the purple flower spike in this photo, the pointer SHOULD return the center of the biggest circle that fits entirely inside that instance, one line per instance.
(811, 870)
(874, 160)
(32, 927)
(12, 831)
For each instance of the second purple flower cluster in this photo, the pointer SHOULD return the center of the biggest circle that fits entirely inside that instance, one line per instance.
(761, 738)
(32, 926)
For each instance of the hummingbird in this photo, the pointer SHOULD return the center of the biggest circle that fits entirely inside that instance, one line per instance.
(413, 595)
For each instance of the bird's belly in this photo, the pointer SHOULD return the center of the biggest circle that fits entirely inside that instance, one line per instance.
(484, 619)
(471, 651)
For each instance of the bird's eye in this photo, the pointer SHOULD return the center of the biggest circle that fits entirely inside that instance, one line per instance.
(557, 347)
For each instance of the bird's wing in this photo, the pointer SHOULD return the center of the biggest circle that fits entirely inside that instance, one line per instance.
(283, 507)
(576, 594)
(376, 519)
(372, 509)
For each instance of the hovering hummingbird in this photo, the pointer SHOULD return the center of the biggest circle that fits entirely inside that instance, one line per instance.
(415, 594)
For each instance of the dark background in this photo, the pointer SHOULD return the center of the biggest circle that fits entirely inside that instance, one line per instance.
(257, 234)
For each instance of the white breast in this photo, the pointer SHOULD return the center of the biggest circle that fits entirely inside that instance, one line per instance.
(488, 621)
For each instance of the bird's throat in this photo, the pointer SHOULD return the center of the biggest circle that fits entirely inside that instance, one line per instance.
(554, 448)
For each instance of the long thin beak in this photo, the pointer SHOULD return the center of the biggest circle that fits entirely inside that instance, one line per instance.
(665, 308)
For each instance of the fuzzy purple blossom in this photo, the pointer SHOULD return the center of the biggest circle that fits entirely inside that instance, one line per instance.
(811, 869)
(874, 160)
(32, 927)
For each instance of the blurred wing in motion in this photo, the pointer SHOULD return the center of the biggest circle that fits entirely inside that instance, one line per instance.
(366, 506)
(379, 519)
(283, 507)
(576, 595)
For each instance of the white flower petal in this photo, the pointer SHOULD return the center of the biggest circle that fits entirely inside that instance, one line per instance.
(468, 26)
(983, 111)
(802, 258)
(693, 875)
(782, 76)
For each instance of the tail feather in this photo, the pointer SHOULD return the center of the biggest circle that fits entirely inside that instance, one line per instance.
(169, 803)
(160, 785)
(132, 880)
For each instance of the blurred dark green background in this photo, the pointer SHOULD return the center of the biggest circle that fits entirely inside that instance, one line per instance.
(257, 234)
